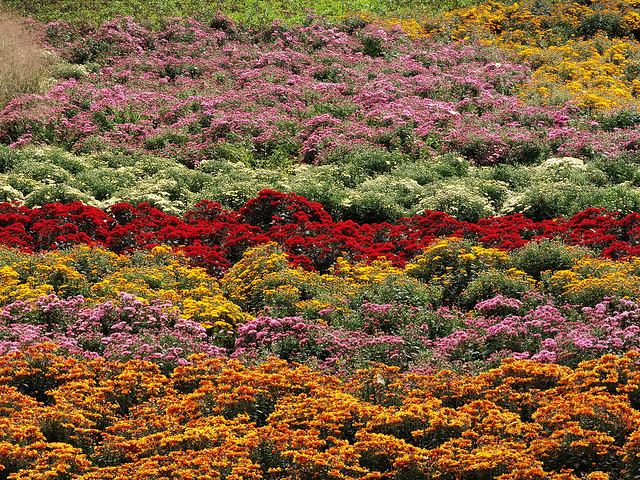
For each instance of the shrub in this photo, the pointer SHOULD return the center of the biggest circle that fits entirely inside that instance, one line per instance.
(115, 159)
(239, 284)
(320, 184)
(187, 179)
(22, 184)
(622, 198)
(452, 263)
(367, 159)
(401, 288)
(609, 22)
(68, 70)
(421, 172)
(151, 165)
(462, 202)
(619, 169)
(493, 282)
(497, 192)
(556, 169)
(550, 200)
(537, 257)
(8, 158)
(232, 152)
(232, 193)
(56, 194)
(622, 118)
(71, 163)
(44, 172)
(450, 165)
(9, 194)
(155, 195)
(565, 199)
(366, 206)
(102, 183)
(515, 176)
(381, 199)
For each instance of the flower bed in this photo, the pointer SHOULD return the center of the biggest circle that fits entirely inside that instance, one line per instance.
(214, 238)
(94, 419)
(193, 91)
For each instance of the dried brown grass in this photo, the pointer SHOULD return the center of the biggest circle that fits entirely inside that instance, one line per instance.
(23, 66)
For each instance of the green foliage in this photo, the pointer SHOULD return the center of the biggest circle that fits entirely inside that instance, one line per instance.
(365, 160)
(450, 165)
(21, 184)
(441, 259)
(56, 193)
(624, 118)
(47, 173)
(94, 263)
(68, 70)
(618, 169)
(231, 152)
(493, 282)
(381, 199)
(401, 289)
(103, 183)
(495, 191)
(421, 172)
(231, 194)
(556, 169)
(364, 184)
(371, 45)
(544, 200)
(546, 255)
(8, 158)
(186, 179)
(151, 165)
(160, 194)
(253, 13)
(515, 177)
(609, 22)
(624, 199)
(460, 200)
(320, 184)
(71, 163)
(591, 281)
(565, 199)
(113, 159)
(367, 206)
(452, 264)
(10, 194)
(165, 139)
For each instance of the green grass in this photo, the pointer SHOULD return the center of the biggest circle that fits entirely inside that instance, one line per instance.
(247, 12)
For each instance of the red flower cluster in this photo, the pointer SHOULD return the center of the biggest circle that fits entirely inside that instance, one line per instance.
(215, 238)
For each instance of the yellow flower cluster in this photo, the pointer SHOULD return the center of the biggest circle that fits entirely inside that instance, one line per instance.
(595, 72)
(101, 276)
(452, 255)
(263, 278)
(450, 271)
(11, 289)
(582, 51)
(454, 264)
(216, 418)
(590, 280)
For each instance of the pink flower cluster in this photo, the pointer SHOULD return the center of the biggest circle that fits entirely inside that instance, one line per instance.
(292, 92)
(130, 329)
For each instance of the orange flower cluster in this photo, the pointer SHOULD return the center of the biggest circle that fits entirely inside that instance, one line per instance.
(63, 418)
